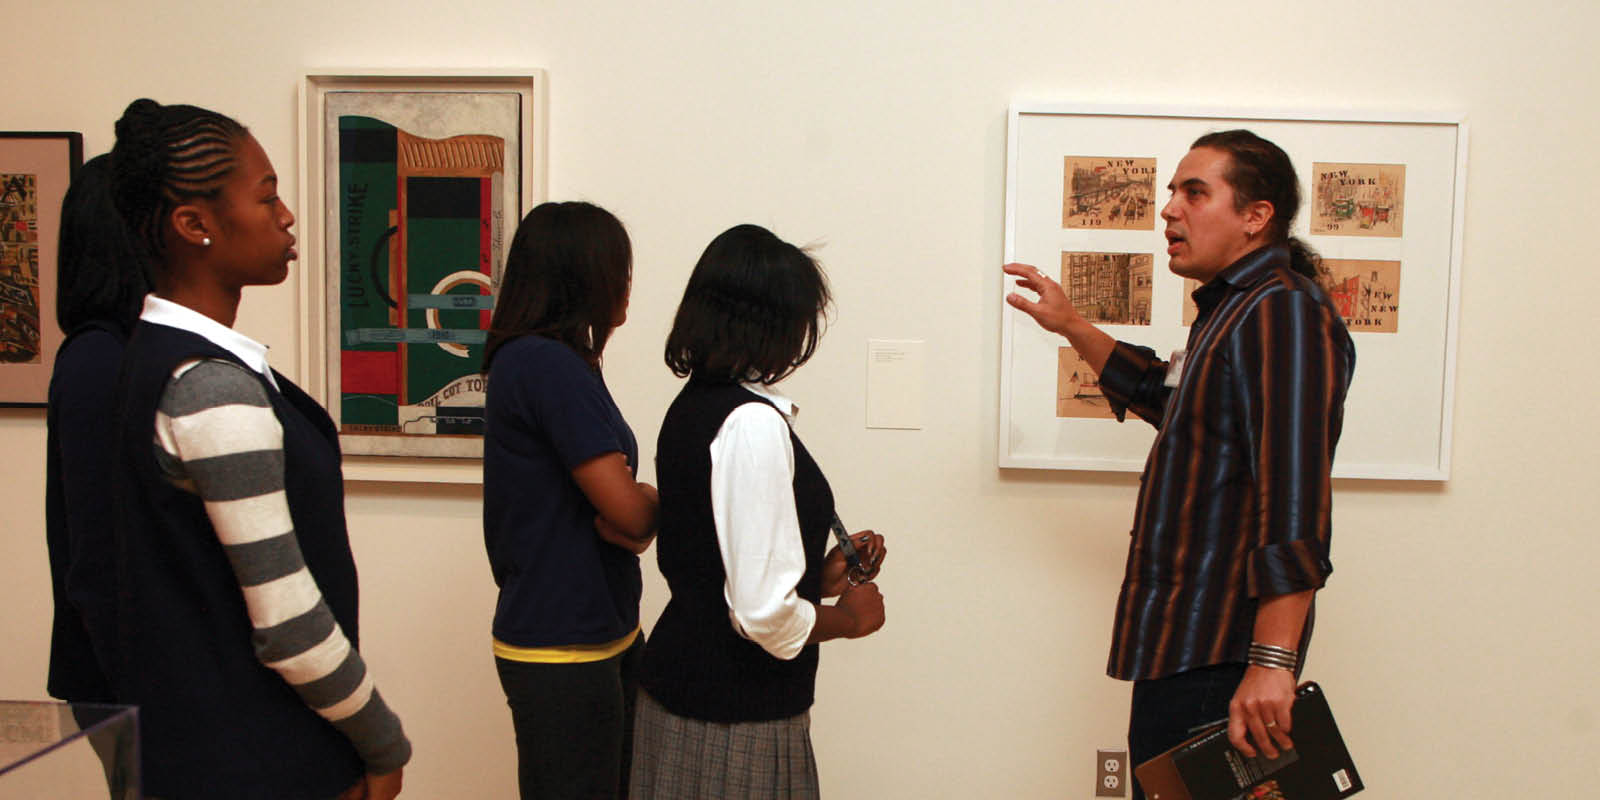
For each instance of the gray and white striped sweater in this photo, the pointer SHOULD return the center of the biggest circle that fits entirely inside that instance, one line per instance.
(217, 436)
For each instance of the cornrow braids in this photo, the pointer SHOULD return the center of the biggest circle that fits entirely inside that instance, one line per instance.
(166, 156)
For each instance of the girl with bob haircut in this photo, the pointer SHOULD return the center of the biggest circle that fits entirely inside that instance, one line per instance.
(563, 517)
(730, 670)
(237, 591)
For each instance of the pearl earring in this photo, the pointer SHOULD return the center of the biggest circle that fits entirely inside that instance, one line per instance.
(205, 241)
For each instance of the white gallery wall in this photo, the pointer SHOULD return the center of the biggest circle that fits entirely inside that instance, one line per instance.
(1456, 637)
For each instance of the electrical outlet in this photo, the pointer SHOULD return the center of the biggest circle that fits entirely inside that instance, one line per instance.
(1112, 776)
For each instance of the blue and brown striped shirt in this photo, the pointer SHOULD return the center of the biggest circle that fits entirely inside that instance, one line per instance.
(1236, 494)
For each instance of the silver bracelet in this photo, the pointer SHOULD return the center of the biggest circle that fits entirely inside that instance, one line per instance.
(1273, 657)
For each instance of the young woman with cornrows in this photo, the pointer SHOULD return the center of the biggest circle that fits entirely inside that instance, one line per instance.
(237, 613)
(564, 517)
(730, 671)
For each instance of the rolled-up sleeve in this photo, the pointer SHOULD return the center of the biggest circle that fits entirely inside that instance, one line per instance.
(758, 530)
(1295, 362)
(1288, 568)
(1134, 380)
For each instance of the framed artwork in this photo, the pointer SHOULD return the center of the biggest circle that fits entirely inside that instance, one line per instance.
(412, 186)
(1382, 201)
(35, 168)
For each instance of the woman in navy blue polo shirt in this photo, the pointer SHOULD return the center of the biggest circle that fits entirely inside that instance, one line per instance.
(563, 517)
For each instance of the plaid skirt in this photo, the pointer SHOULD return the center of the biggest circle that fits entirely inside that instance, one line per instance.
(675, 757)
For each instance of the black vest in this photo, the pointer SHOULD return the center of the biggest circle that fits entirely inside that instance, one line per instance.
(695, 664)
(214, 721)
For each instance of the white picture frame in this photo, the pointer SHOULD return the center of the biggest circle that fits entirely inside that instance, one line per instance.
(520, 122)
(1398, 415)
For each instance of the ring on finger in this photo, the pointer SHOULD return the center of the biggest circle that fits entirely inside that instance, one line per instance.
(1272, 723)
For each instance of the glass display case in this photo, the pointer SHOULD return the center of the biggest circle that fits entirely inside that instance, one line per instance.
(68, 750)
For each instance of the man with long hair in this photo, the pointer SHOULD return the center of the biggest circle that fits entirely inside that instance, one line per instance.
(1231, 533)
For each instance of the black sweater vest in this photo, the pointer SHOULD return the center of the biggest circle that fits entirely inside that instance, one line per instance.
(695, 664)
(216, 722)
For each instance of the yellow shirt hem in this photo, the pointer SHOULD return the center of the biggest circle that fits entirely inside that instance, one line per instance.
(564, 654)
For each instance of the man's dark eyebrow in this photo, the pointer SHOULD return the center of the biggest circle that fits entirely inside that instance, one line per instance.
(1191, 182)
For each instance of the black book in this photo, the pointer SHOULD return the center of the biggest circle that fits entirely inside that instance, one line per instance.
(1207, 767)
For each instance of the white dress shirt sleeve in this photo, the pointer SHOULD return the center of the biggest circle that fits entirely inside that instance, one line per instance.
(758, 529)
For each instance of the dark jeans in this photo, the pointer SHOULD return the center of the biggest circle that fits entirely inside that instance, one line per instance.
(1166, 710)
(574, 724)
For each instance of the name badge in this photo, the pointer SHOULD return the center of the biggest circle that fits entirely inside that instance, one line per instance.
(1175, 369)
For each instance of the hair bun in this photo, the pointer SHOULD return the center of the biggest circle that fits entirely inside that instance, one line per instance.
(139, 158)
(139, 117)
(139, 150)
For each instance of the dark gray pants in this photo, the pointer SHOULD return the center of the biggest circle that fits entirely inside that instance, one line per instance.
(574, 724)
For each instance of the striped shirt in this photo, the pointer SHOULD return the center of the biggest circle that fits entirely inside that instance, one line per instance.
(1236, 494)
(217, 437)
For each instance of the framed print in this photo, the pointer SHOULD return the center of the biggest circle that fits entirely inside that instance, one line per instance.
(413, 186)
(1382, 202)
(35, 168)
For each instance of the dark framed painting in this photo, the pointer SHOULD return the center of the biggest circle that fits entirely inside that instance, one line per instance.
(35, 168)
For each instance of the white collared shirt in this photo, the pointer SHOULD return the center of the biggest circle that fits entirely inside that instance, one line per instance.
(758, 527)
(173, 315)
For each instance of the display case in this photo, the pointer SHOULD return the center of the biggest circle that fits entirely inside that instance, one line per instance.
(69, 750)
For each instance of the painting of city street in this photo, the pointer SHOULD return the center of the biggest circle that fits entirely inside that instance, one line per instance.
(1366, 293)
(19, 270)
(1078, 388)
(1109, 193)
(1358, 199)
(1108, 288)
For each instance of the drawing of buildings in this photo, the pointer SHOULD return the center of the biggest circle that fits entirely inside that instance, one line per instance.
(1358, 199)
(1111, 196)
(1365, 293)
(1111, 288)
(1108, 193)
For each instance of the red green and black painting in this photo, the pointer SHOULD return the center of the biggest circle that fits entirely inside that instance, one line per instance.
(417, 221)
